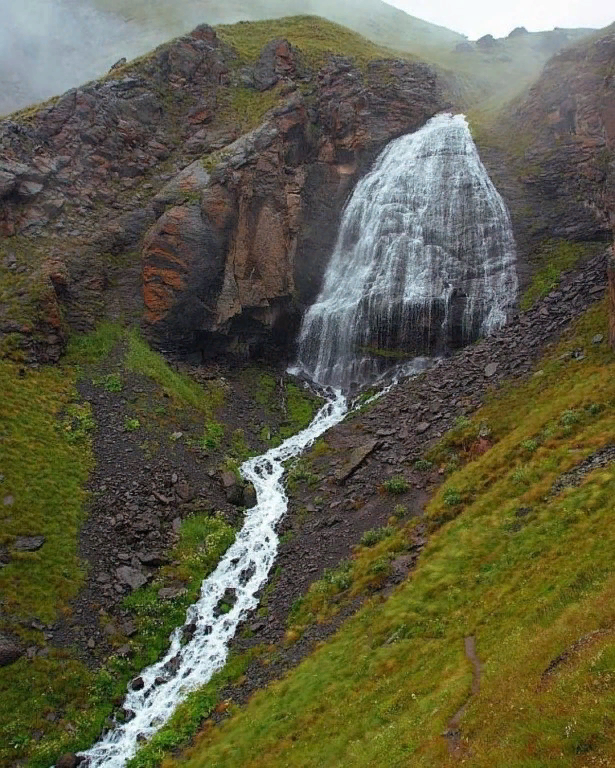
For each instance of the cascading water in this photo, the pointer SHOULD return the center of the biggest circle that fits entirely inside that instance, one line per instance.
(244, 569)
(424, 261)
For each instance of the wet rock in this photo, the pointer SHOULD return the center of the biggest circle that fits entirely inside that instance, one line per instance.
(137, 684)
(229, 480)
(10, 650)
(189, 630)
(235, 495)
(172, 666)
(160, 681)
(249, 496)
(226, 602)
(69, 760)
(131, 577)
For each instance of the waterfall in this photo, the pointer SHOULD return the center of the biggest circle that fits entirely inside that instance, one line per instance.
(424, 261)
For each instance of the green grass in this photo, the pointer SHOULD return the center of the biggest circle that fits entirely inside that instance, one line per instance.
(316, 38)
(553, 258)
(527, 587)
(94, 347)
(46, 458)
(85, 698)
(140, 358)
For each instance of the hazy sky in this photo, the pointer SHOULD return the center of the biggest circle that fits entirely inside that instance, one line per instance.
(476, 18)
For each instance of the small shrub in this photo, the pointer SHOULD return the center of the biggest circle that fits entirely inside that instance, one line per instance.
(529, 446)
(422, 465)
(400, 511)
(521, 476)
(381, 565)
(131, 424)
(396, 485)
(301, 474)
(214, 432)
(594, 409)
(376, 535)
(340, 577)
(113, 382)
(570, 417)
(452, 497)
(78, 422)
(462, 422)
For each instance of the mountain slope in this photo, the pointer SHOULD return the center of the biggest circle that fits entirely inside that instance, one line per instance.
(57, 45)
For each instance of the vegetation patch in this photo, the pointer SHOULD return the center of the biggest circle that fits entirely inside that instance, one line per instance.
(553, 258)
(316, 38)
(525, 573)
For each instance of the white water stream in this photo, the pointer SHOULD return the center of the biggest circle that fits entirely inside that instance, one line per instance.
(244, 568)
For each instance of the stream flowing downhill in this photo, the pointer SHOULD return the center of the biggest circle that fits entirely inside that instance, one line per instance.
(244, 569)
(425, 260)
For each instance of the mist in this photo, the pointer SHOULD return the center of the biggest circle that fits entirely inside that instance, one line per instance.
(49, 46)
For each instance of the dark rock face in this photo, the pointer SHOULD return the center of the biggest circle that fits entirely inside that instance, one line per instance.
(566, 167)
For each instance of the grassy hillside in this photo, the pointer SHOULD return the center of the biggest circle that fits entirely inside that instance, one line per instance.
(519, 559)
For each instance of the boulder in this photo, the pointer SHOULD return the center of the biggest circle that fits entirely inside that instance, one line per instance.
(131, 577)
(355, 460)
(10, 650)
(28, 543)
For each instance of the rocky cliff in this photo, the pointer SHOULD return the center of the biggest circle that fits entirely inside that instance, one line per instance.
(238, 206)
(553, 152)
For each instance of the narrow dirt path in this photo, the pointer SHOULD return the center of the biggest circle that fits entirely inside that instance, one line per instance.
(453, 733)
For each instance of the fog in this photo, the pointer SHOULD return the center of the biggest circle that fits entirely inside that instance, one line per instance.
(476, 18)
(49, 46)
